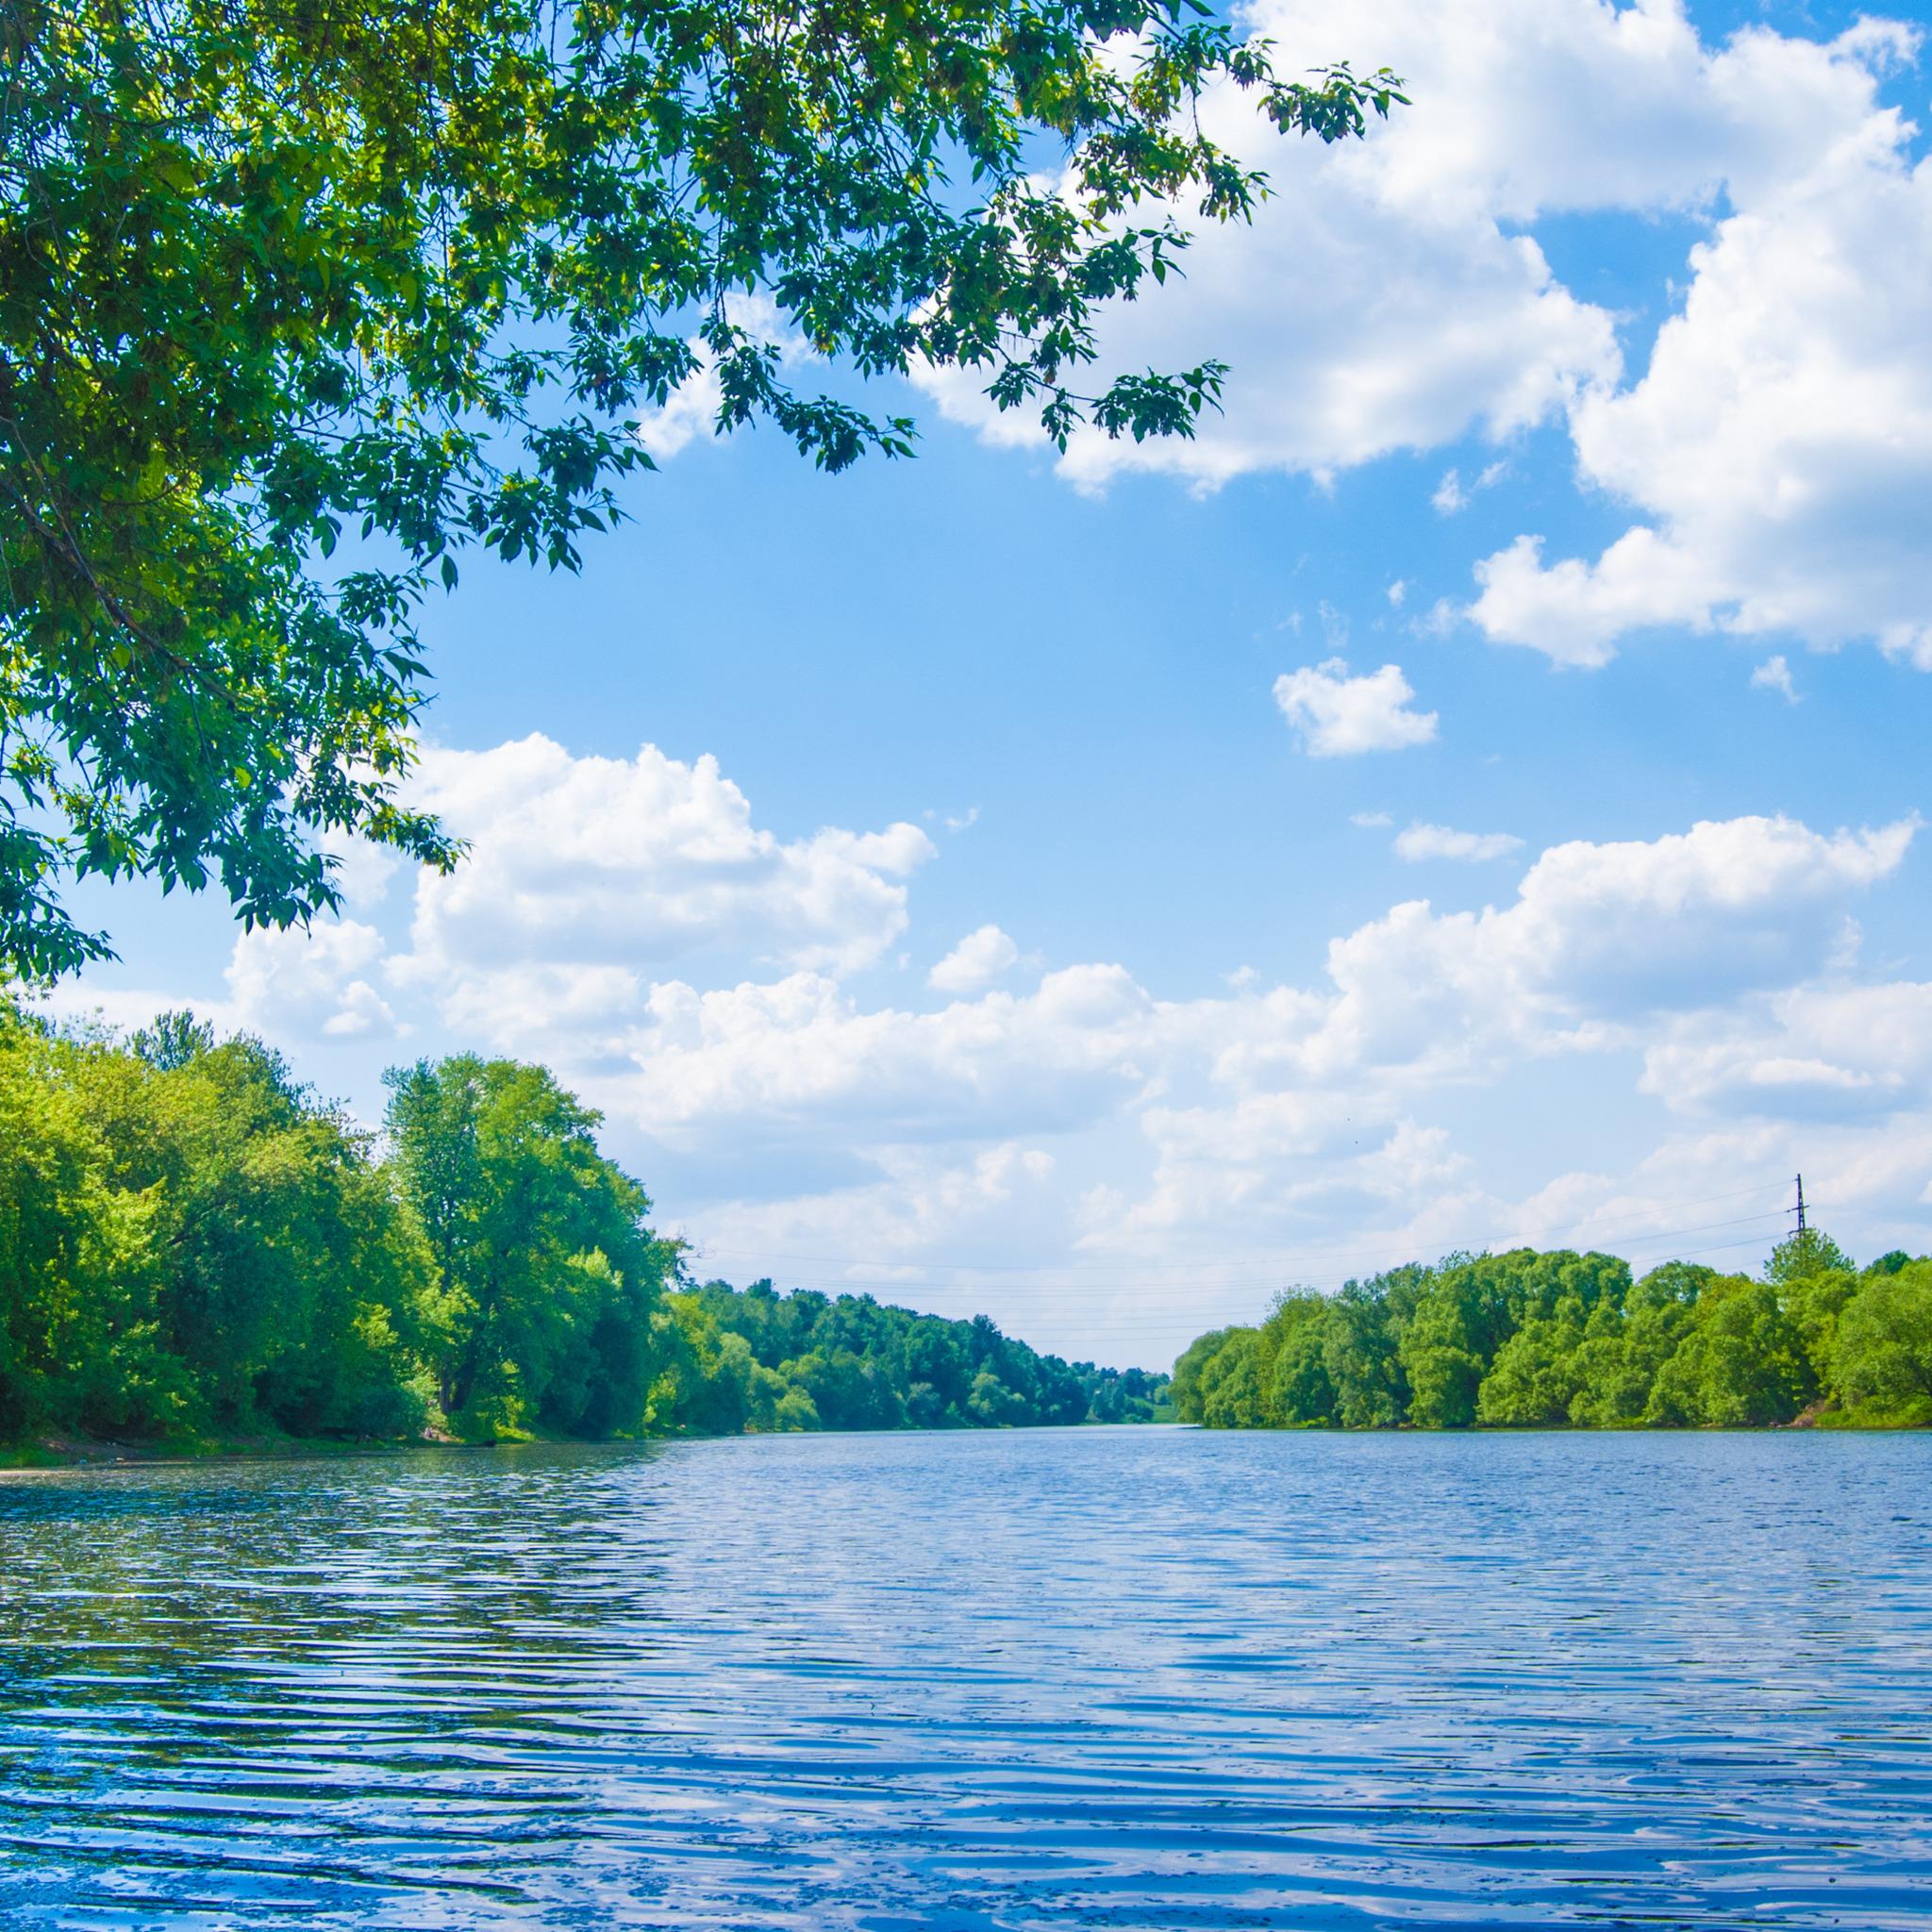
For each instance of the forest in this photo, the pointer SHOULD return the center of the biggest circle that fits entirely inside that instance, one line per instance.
(195, 1250)
(1530, 1340)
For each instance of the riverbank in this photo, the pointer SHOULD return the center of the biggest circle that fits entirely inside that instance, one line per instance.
(76, 1452)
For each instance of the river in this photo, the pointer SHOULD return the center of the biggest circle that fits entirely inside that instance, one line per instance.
(1132, 1678)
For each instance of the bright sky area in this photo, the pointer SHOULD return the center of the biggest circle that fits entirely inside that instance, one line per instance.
(1468, 796)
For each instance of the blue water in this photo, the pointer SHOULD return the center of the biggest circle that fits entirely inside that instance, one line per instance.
(1147, 1678)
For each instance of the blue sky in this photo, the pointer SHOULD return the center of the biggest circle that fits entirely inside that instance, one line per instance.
(1653, 290)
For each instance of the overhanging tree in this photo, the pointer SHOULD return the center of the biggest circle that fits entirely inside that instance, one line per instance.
(275, 270)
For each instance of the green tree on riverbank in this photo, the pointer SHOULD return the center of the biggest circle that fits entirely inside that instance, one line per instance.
(1526, 1340)
(548, 1277)
(193, 1247)
(811, 1360)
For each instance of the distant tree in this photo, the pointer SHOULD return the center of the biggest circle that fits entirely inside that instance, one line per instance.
(1882, 1348)
(1361, 1351)
(1539, 1370)
(1299, 1388)
(274, 271)
(172, 1040)
(1742, 1364)
(1624, 1348)
(1812, 1252)
(1234, 1393)
(1188, 1398)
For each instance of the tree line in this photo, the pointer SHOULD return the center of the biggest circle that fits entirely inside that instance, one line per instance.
(1530, 1340)
(194, 1247)
(810, 1361)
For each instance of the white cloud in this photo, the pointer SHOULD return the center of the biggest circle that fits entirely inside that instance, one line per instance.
(1338, 716)
(1775, 675)
(1611, 930)
(1369, 821)
(1282, 1097)
(1387, 296)
(1597, 940)
(1420, 841)
(877, 1232)
(1823, 1050)
(1573, 613)
(1452, 495)
(364, 871)
(1094, 1123)
(1776, 455)
(978, 961)
(1377, 303)
(317, 984)
(1778, 449)
(607, 867)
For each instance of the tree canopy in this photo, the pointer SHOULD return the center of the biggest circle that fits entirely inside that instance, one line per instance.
(194, 1247)
(279, 273)
(757, 1358)
(1526, 1339)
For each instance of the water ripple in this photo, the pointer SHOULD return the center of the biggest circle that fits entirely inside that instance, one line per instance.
(1144, 1679)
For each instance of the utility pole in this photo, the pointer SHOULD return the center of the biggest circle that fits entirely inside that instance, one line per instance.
(1801, 1203)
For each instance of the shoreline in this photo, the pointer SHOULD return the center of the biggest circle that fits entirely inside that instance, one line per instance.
(54, 1455)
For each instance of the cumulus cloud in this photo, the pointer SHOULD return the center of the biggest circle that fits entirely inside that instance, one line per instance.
(978, 961)
(611, 867)
(1274, 1100)
(1382, 298)
(308, 985)
(1775, 675)
(1778, 451)
(1774, 456)
(1687, 919)
(1390, 295)
(1598, 941)
(1420, 841)
(1338, 715)
(1831, 1051)
(1094, 1116)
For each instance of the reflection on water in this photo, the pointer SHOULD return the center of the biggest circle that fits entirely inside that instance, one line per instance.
(1124, 1678)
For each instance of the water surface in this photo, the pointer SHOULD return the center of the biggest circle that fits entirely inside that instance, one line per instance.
(1131, 1678)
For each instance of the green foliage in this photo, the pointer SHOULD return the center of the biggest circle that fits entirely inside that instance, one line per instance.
(1803, 1253)
(192, 1247)
(275, 270)
(1526, 1339)
(1741, 1364)
(1882, 1348)
(756, 1360)
(549, 1275)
